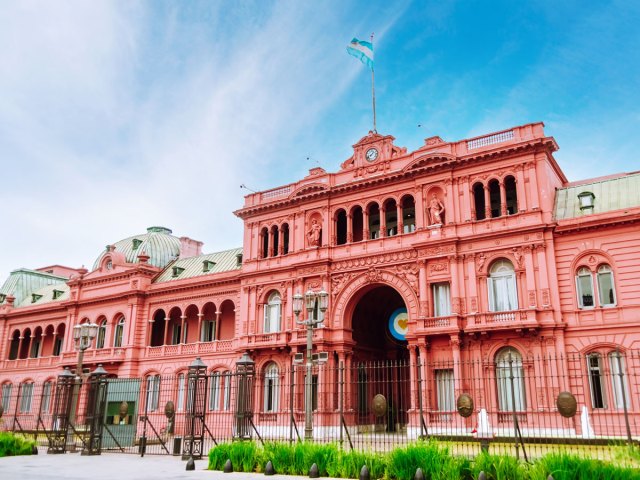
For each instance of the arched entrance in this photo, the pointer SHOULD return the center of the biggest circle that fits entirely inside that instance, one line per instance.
(380, 357)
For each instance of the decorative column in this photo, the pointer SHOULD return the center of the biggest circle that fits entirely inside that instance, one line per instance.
(423, 290)
(217, 325)
(533, 183)
(543, 275)
(383, 222)
(281, 241)
(520, 190)
(419, 208)
(503, 199)
(473, 283)
(487, 202)
(457, 371)
(366, 234)
(270, 251)
(399, 225)
(450, 209)
(413, 381)
(531, 282)
(349, 228)
(20, 339)
(466, 209)
(455, 286)
(200, 332)
(424, 361)
(166, 328)
(183, 318)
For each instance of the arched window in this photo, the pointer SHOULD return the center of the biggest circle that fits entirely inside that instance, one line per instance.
(584, 288)
(503, 294)
(117, 335)
(478, 201)
(508, 367)
(606, 289)
(391, 217)
(357, 224)
(374, 220)
(102, 334)
(15, 345)
(271, 388)
(6, 396)
(272, 313)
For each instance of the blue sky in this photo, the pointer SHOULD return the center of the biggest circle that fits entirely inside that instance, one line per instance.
(115, 116)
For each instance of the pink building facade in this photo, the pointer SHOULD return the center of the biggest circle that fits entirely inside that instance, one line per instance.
(455, 253)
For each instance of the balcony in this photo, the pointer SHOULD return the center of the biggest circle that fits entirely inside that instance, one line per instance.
(438, 325)
(190, 348)
(517, 320)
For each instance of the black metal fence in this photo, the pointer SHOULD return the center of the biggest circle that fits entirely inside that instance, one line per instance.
(508, 404)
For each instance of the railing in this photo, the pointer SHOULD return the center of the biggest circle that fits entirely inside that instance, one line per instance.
(190, 348)
(276, 193)
(490, 139)
(511, 319)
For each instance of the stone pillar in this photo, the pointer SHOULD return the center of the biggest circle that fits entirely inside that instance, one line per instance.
(520, 190)
(281, 241)
(270, 252)
(448, 201)
(399, 217)
(413, 362)
(473, 284)
(383, 222)
(487, 202)
(530, 301)
(543, 275)
(200, 332)
(466, 209)
(349, 228)
(419, 208)
(503, 199)
(166, 327)
(423, 288)
(183, 319)
(366, 234)
(455, 285)
(533, 184)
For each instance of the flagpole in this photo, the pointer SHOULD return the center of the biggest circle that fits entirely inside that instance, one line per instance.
(373, 92)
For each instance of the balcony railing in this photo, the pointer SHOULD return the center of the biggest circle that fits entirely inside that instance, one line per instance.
(190, 348)
(497, 320)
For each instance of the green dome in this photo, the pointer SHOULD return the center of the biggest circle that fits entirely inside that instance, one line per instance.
(158, 243)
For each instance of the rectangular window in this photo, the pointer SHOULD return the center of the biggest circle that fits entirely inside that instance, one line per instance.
(57, 346)
(175, 337)
(208, 330)
(6, 396)
(619, 380)
(585, 290)
(441, 299)
(46, 397)
(594, 366)
(227, 391)
(503, 296)
(605, 289)
(272, 318)
(26, 397)
(153, 392)
(445, 390)
(214, 396)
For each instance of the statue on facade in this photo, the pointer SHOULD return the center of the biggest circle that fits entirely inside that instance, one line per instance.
(436, 209)
(313, 234)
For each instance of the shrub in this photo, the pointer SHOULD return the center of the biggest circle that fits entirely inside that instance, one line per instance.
(563, 466)
(499, 467)
(435, 461)
(12, 444)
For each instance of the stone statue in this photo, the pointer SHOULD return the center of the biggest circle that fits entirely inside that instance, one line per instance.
(313, 234)
(436, 208)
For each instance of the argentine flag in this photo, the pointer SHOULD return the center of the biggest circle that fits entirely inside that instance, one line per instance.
(361, 50)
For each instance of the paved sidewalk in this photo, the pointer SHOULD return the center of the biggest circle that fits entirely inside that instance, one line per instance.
(112, 466)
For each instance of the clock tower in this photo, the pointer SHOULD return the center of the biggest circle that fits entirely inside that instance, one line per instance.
(372, 154)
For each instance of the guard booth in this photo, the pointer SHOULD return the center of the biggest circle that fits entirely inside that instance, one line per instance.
(121, 413)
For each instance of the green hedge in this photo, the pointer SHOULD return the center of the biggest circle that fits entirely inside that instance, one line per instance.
(435, 460)
(11, 444)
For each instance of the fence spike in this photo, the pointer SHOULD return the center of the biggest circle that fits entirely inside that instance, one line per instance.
(228, 468)
(364, 473)
(191, 465)
(419, 475)
(34, 450)
(314, 472)
(549, 477)
(269, 470)
(482, 476)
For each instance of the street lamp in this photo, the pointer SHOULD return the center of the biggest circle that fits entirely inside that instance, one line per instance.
(83, 335)
(310, 300)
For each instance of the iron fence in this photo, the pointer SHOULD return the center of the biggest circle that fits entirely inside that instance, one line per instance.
(508, 404)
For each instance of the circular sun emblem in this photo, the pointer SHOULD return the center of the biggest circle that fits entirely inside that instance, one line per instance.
(399, 324)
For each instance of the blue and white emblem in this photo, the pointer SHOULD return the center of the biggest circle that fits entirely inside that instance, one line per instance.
(399, 324)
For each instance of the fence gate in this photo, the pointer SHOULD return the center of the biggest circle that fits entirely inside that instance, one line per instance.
(61, 409)
(97, 400)
(196, 410)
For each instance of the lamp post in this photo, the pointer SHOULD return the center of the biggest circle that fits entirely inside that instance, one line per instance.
(83, 335)
(309, 300)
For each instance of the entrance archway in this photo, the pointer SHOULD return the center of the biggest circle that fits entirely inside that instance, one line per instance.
(380, 357)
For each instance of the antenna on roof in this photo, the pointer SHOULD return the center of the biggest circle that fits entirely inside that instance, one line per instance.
(242, 185)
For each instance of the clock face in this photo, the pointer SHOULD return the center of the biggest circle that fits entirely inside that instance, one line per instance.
(371, 154)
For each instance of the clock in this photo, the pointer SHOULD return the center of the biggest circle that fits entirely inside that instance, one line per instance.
(371, 154)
